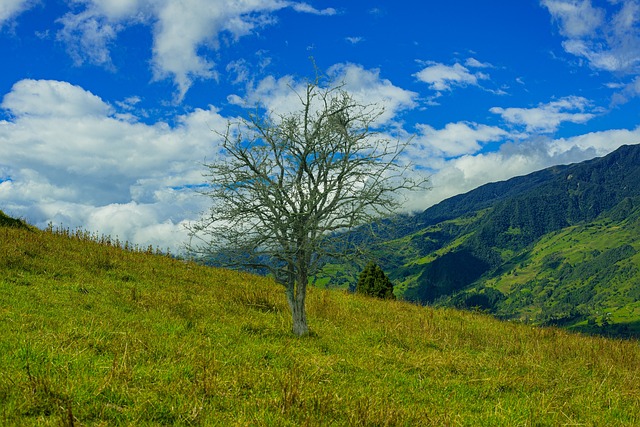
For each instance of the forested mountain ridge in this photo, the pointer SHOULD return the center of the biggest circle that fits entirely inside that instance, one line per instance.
(620, 167)
(526, 248)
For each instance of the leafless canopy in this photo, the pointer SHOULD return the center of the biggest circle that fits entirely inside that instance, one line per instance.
(286, 184)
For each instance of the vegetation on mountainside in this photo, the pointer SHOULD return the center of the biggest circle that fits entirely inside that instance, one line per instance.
(92, 334)
(585, 276)
(496, 248)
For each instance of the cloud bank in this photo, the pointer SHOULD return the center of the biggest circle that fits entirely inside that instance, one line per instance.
(68, 157)
(518, 158)
(74, 161)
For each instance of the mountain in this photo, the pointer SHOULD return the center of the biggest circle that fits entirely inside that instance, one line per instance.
(91, 334)
(503, 247)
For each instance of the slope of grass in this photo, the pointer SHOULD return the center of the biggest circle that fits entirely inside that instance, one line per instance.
(7, 221)
(97, 336)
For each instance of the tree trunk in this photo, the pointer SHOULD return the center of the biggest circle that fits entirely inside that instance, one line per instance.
(296, 297)
(299, 317)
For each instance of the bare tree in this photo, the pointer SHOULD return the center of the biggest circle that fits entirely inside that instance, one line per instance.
(287, 185)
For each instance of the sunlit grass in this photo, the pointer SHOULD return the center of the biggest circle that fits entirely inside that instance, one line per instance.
(91, 334)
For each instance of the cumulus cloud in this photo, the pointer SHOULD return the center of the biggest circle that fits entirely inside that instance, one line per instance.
(67, 157)
(609, 42)
(546, 118)
(441, 77)
(368, 87)
(52, 98)
(454, 140)
(9, 9)
(183, 32)
(279, 96)
(132, 180)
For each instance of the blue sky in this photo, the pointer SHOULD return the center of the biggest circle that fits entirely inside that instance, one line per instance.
(107, 106)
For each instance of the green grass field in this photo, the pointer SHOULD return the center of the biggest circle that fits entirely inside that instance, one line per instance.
(93, 335)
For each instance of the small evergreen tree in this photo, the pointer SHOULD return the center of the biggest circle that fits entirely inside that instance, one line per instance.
(374, 282)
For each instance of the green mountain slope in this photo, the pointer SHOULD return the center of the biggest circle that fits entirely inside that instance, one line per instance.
(585, 276)
(468, 250)
(93, 335)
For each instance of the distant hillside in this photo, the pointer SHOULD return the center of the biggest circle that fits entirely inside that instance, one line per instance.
(7, 221)
(486, 196)
(620, 167)
(91, 334)
(462, 251)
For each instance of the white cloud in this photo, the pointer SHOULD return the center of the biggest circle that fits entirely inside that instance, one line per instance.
(455, 139)
(184, 32)
(88, 38)
(52, 98)
(608, 42)
(474, 63)
(131, 180)
(142, 224)
(630, 90)
(369, 88)
(366, 86)
(276, 95)
(546, 118)
(576, 18)
(598, 143)
(69, 159)
(119, 9)
(441, 77)
(614, 85)
(307, 8)
(354, 40)
(9, 9)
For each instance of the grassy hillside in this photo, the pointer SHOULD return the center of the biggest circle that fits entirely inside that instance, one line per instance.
(93, 335)
(7, 221)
